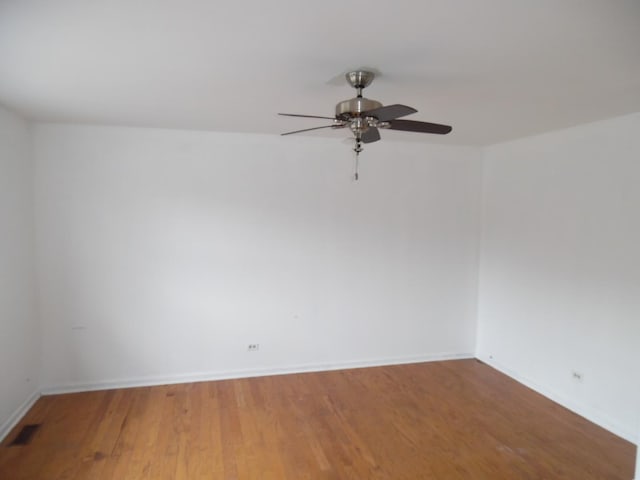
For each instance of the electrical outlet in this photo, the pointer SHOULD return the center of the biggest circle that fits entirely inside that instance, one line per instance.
(577, 376)
(253, 347)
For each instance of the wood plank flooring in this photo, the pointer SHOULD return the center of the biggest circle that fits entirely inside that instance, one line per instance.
(442, 420)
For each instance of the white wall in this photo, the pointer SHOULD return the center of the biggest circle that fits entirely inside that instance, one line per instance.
(165, 253)
(560, 268)
(19, 330)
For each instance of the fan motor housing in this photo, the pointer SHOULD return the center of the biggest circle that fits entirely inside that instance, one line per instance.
(354, 107)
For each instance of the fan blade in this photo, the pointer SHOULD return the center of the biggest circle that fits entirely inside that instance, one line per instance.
(305, 116)
(390, 112)
(371, 135)
(420, 127)
(315, 128)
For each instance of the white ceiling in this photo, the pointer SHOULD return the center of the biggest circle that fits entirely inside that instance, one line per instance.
(494, 69)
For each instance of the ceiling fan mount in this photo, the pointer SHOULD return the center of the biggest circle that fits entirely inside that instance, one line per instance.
(360, 78)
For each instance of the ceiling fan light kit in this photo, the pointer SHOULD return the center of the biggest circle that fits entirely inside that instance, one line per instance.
(364, 116)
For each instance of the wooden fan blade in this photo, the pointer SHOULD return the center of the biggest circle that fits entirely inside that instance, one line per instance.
(305, 116)
(371, 135)
(315, 128)
(420, 127)
(390, 112)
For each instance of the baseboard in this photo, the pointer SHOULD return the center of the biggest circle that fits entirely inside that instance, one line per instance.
(589, 413)
(230, 374)
(17, 415)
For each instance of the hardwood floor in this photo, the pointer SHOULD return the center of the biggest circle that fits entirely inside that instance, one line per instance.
(441, 420)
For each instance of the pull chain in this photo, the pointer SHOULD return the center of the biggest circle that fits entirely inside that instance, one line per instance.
(357, 149)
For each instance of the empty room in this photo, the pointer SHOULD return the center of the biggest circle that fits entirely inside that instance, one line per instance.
(328, 240)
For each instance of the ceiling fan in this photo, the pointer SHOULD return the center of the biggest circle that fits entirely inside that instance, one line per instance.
(364, 116)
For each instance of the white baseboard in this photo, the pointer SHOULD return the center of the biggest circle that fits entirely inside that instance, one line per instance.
(260, 372)
(589, 413)
(16, 416)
